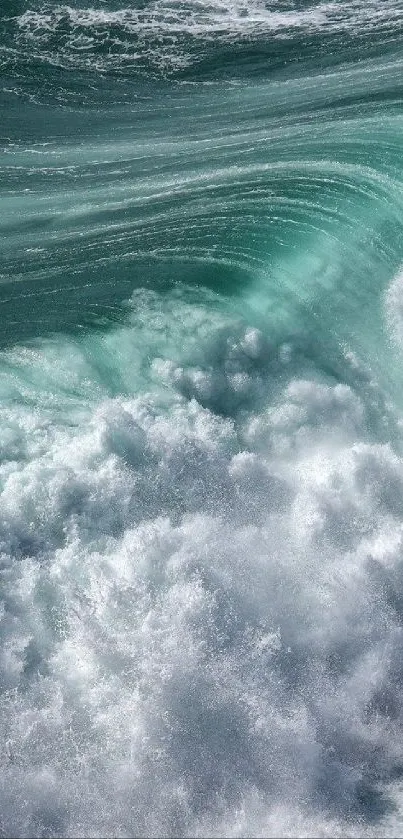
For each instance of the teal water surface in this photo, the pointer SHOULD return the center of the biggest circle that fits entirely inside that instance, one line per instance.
(201, 418)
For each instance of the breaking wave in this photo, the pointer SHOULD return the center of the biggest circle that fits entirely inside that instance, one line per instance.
(201, 451)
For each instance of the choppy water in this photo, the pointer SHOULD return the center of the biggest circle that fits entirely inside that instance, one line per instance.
(201, 418)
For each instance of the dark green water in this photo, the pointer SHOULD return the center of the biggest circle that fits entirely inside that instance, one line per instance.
(201, 445)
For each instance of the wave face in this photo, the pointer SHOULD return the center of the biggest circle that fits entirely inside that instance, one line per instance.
(201, 418)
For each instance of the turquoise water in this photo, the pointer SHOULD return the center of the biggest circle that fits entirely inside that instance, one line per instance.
(201, 418)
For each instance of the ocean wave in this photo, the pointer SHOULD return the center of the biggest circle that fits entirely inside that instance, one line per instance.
(201, 452)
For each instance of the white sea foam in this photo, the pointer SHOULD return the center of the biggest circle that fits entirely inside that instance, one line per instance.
(156, 31)
(394, 309)
(201, 588)
(200, 18)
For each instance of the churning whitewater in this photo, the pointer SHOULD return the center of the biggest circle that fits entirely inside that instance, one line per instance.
(201, 418)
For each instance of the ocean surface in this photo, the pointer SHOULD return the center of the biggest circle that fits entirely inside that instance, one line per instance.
(201, 418)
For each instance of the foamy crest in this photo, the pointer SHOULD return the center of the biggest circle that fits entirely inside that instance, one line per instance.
(201, 589)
